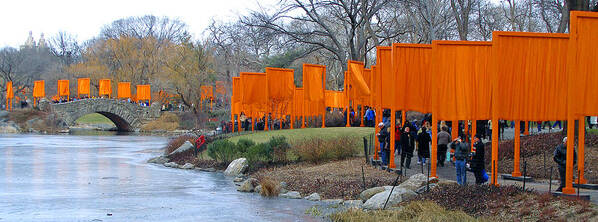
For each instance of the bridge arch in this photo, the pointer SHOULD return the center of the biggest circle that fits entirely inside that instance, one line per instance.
(126, 116)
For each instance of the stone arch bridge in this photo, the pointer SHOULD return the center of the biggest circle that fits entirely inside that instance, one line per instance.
(126, 116)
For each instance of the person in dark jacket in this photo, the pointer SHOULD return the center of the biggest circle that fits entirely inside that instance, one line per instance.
(462, 149)
(560, 157)
(477, 161)
(407, 147)
(398, 137)
(423, 144)
(383, 140)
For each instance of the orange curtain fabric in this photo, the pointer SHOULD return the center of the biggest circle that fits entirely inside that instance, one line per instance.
(144, 92)
(413, 79)
(124, 90)
(207, 92)
(281, 83)
(314, 82)
(237, 89)
(220, 89)
(530, 75)
(583, 57)
(10, 93)
(254, 92)
(105, 87)
(335, 99)
(461, 85)
(39, 89)
(63, 87)
(387, 79)
(83, 86)
(357, 80)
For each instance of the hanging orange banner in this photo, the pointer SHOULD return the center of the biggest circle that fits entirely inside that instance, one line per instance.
(144, 92)
(9, 90)
(357, 79)
(105, 88)
(124, 90)
(523, 66)
(583, 57)
(314, 82)
(207, 92)
(335, 99)
(412, 77)
(387, 79)
(82, 86)
(63, 87)
(462, 86)
(220, 88)
(298, 102)
(39, 89)
(254, 92)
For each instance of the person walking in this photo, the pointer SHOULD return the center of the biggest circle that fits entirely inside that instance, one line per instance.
(560, 157)
(398, 137)
(477, 161)
(382, 138)
(406, 146)
(462, 150)
(423, 144)
(443, 140)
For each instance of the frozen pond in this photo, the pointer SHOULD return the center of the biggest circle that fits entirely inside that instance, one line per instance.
(105, 178)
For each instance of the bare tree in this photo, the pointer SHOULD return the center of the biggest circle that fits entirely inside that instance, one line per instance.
(461, 11)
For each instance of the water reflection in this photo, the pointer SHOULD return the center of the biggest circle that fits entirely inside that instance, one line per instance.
(66, 178)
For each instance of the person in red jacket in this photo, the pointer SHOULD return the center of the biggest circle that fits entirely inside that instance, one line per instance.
(199, 144)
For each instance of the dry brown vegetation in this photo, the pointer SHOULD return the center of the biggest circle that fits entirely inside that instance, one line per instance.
(510, 203)
(270, 187)
(318, 150)
(47, 122)
(167, 122)
(338, 179)
(421, 211)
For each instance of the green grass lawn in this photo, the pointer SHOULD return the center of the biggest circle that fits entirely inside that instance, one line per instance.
(93, 118)
(300, 134)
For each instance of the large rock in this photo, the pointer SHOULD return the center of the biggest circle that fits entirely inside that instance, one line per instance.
(367, 194)
(353, 203)
(183, 148)
(248, 185)
(398, 195)
(171, 164)
(414, 182)
(9, 127)
(425, 188)
(187, 166)
(258, 189)
(236, 167)
(332, 201)
(313, 197)
(291, 195)
(159, 160)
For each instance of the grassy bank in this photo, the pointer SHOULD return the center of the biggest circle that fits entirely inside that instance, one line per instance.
(93, 118)
(295, 135)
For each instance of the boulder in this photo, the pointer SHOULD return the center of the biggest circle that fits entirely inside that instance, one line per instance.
(248, 185)
(9, 127)
(313, 197)
(291, 195)
(398, 195)
(187, 166)
(171, 164)
(258, 189)
(333, 201)
(366, 194)
(414, 182)
(423, 188)
(238, 179)
(183, 148)
(353, 203)
(159, 160)
(236, 167)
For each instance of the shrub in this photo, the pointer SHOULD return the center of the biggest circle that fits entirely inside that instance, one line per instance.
(335, 119)
(317, 149)
(270, 187)
(258, 153)
(244, 144)
(223, 151)
(279, 146)
(176, 142)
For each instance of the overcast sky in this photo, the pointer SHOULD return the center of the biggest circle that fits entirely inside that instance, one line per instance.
(85, 18)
